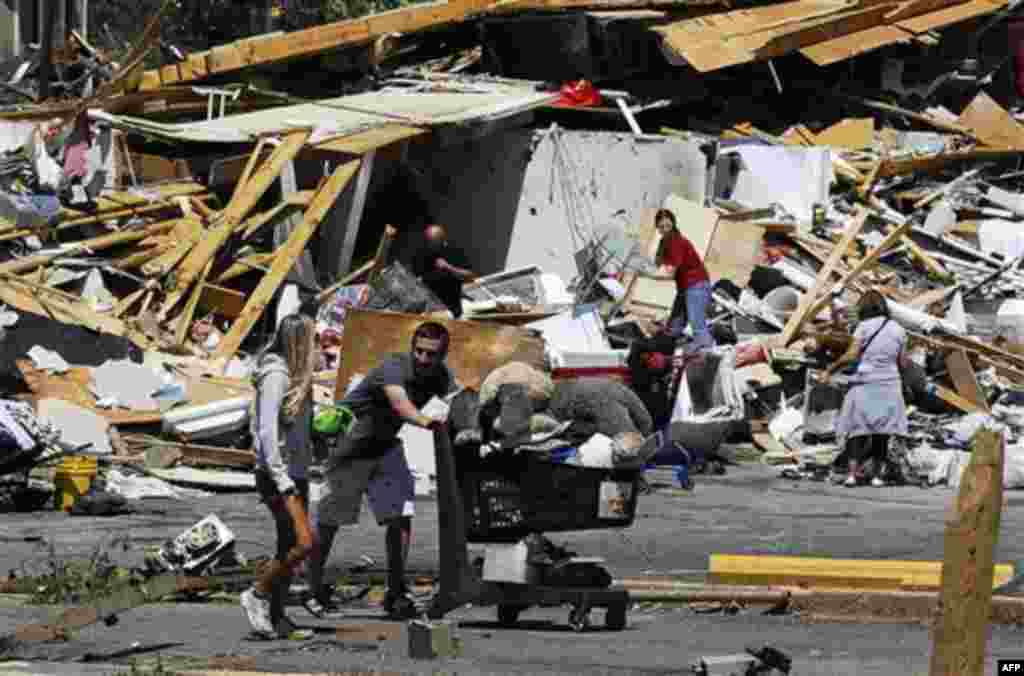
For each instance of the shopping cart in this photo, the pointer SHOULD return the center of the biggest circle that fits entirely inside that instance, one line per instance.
(483, 501)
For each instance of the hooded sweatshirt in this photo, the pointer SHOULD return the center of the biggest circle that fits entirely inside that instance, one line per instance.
(283, 447)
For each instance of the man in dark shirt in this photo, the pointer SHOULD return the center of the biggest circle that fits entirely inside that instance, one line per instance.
(370, 459)
(443, 268)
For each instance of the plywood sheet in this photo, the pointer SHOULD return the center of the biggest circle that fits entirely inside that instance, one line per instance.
(697, 223)
(476, 349)
(853, 133)
(734, 251)
(992, 124)
(948, 16)
(840, 49)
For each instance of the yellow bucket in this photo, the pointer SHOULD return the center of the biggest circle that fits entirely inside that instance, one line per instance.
(72, 480)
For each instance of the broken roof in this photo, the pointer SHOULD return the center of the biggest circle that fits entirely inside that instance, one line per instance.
(390, 113)
(823, 31)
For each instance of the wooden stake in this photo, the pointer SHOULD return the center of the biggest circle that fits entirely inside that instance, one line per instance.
(284, 259)
(961, 630)
(381, 257)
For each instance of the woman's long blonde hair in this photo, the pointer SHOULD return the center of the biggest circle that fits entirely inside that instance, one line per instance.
(295, 342)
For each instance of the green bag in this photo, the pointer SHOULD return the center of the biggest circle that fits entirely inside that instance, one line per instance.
(332, 420)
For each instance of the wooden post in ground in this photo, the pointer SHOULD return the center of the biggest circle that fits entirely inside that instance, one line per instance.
(960, 632)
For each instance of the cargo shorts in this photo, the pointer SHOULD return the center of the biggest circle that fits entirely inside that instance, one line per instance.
(386, 481)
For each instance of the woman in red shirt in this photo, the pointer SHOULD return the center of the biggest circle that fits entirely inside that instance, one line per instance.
(679, 261)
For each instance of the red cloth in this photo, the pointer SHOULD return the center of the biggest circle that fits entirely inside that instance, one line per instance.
(580, 93)
(679, 252)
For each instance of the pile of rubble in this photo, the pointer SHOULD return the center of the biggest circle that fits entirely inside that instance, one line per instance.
(168, 225)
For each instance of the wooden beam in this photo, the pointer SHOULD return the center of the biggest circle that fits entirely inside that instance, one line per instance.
(961, 631)
(245, 198)
(345, 281)
(28, 263)
(285, 258)
(185, 319)
(161, 454)
(955, 400)
(863, 265)
(964, 379)
(380, 259)
(253, 263)
(355, 212)
(803, 310)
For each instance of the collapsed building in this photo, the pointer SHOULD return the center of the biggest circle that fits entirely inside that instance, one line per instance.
(809, 152)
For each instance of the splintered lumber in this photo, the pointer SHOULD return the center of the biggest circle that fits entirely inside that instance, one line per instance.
(285, 257)
(961, 630)
(992, 124)
(862, 265)
(953, 399)
(345, 281)
(380, 259)
(112, 206)
(245, 198)
(477, 348)
(28, 263)
(803, 310)
(42, 300)
(964, 379)
(246, 264)
(756, 569)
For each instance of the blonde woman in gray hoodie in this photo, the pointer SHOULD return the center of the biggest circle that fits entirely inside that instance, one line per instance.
(280, 426)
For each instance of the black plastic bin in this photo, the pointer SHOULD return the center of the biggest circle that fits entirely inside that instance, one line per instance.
(509, 501)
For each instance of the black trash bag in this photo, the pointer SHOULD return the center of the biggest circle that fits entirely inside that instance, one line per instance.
(396, 289)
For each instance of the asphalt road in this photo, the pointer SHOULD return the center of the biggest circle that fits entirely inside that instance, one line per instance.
(747, 511)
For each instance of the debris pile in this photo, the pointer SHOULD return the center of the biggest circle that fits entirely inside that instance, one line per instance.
(169, 218)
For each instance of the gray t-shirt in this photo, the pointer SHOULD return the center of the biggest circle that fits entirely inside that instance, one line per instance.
(879, 363)
(377, 425)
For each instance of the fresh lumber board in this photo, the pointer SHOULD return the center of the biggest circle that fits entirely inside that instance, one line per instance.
(477, 348)
(807, 301)
(799, 570)
(284, 259)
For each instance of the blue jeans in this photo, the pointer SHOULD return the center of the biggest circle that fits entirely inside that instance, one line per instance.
(696, 299)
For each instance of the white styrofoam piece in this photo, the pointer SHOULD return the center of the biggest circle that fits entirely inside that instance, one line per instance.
(579, 329)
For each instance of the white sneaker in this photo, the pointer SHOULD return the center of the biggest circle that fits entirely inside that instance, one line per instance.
(850, 481)
(877, 482)
(258, 612)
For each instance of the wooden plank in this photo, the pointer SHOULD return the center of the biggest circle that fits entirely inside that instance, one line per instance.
(225, 302)
(28, 263)
(992, 124)
(345, 281)
(185, 318)
(767, 569)
(188, 236)
(960, 633)
(318, 39)
(852, 133)
(285, 258)
(955, 400)
(964, 379)
(734, 250)
(363, 142)
(862, 265)
(846, 47)
(247, 264)
(355, 212)
(948, 16)
(803, 310)
(28, 297)
(161, 454)
(477, 348)
(242, 202)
